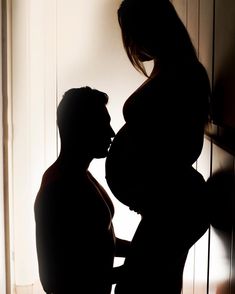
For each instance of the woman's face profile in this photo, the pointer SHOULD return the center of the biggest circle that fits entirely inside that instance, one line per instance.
(101, 133)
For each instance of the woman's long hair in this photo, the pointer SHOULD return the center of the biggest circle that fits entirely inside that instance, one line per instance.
(153, 28)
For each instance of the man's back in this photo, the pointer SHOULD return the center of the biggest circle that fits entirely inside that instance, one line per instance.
(74, 233)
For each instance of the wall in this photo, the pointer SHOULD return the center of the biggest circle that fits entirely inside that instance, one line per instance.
(210, 266)
(61, 44)
(58, 45)
(2, 212)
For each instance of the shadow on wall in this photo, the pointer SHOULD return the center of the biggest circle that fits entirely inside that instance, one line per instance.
(221, 191)
(224, 288)
(223, 103)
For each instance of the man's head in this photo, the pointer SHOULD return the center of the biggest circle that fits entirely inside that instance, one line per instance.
(84, 122)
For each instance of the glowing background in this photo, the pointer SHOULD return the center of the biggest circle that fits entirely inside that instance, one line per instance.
(57, 45)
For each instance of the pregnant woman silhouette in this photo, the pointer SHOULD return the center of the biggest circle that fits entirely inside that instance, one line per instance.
(149, 165)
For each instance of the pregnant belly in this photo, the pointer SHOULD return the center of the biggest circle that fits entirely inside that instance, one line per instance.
(122, 168)
(138, 179)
